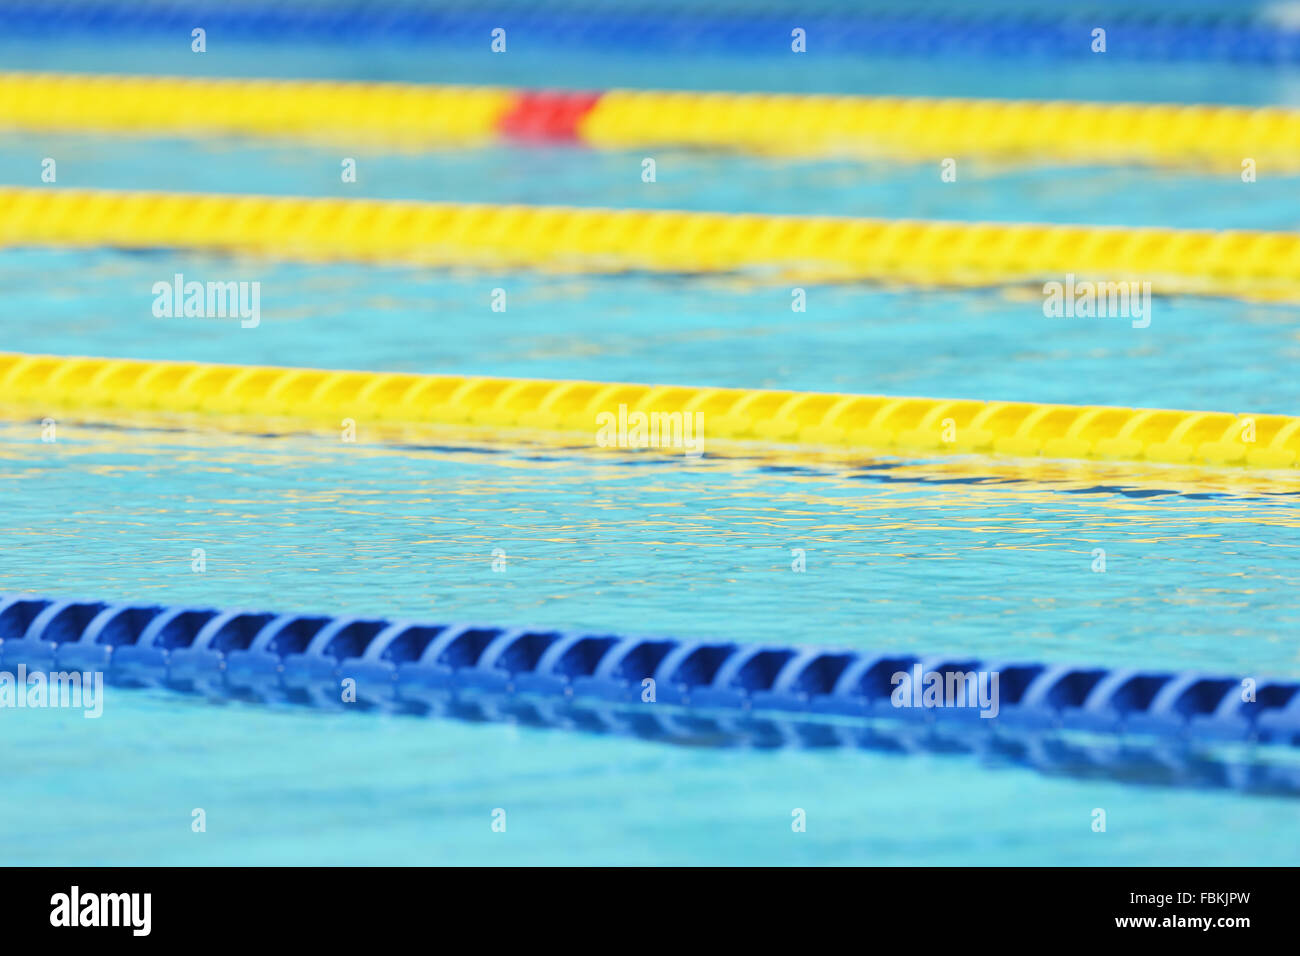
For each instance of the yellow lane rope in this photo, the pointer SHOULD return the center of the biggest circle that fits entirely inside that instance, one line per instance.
(1262, 266)
(915, 128)
(389, 113)
(38, 386)
(907, 128)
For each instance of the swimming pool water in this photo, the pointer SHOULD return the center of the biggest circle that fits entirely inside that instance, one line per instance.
(934, 556)
(726, 331)
(660, 546)
(1097, 78)
(691, 180)
(288, 787)
(614, 546)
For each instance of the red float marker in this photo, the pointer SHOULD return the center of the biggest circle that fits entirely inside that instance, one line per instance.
(546, 116)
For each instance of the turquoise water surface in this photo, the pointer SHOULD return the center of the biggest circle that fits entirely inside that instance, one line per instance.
(968, 557)
(733, 331)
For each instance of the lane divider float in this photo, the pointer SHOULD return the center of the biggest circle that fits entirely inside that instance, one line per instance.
(390, 662)
(777, 124)
(104, 389)
(1252, 265)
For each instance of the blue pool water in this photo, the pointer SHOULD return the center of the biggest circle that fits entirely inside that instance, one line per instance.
(729, 331)
(685, 180)
(936, 556)
(656, 545)
(286, 787)
(1097, 78)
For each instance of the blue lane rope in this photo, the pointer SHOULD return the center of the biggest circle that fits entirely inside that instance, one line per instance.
(1189, 33)
(395, 662)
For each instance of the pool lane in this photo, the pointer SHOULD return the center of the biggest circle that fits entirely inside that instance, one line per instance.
(1003, 569)
(684, 179)
(1196, 353)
